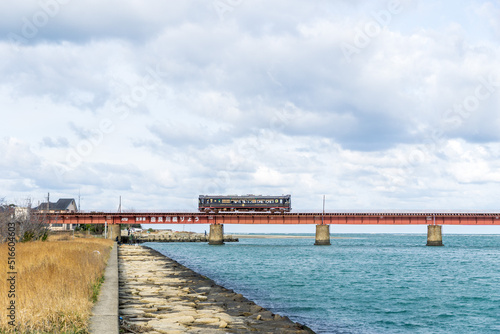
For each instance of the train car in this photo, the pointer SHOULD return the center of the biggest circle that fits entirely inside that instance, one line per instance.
(272, 204)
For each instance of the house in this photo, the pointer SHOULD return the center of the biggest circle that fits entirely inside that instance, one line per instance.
(63, 205)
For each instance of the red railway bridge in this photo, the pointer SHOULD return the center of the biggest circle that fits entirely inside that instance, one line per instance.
(434, 221)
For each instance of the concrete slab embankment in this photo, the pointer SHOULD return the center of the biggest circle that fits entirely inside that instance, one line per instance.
(104, 317)
(159, 295)
(170, 238)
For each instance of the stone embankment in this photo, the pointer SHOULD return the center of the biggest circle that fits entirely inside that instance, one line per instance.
(171, 237)
(159, 295)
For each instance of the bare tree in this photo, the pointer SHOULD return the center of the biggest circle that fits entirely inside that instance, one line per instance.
(4, 219)
(27, 225)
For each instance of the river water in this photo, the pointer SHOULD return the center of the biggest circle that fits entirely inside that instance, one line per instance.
(366, 283)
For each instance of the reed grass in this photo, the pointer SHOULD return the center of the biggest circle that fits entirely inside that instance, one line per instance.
(57, 283)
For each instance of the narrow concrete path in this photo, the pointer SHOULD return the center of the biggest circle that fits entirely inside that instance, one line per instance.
(104, 318)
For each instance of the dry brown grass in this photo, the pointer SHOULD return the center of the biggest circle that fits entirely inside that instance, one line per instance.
(55, 284)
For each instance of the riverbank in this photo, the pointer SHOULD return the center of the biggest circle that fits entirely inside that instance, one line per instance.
(168, 236)
(54, 284)
(159, 295)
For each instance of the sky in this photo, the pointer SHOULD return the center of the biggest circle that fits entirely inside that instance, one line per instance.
(378, 105)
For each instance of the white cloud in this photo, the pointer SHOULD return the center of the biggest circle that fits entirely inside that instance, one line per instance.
(265, 176)
(164, 101)
(17, 156)
(490, 11)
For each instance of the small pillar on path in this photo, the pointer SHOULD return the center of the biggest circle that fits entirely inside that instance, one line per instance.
(322, 235)
(216, 235)
(434, 236)
(114, 230)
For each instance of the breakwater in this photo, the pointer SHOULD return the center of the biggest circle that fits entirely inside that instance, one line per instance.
(158, 294)
(171, 237)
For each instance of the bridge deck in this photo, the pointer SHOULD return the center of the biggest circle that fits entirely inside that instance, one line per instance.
(268, 218)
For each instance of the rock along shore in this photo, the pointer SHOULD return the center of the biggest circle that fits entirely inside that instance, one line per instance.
(169, 236)
(174, 238)
(159, 295)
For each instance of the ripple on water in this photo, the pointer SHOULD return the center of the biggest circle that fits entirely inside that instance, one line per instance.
(371, 284)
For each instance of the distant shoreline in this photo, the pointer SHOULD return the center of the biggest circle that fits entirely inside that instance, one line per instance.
(271, 236)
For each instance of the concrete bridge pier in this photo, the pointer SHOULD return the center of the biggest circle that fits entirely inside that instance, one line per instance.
(216, 235)
(114, 230)
(434, 236)
(322, 235)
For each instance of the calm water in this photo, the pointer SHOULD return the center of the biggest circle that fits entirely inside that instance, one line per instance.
(365, 284)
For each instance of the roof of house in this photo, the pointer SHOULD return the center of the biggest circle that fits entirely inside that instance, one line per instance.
(61, 204)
